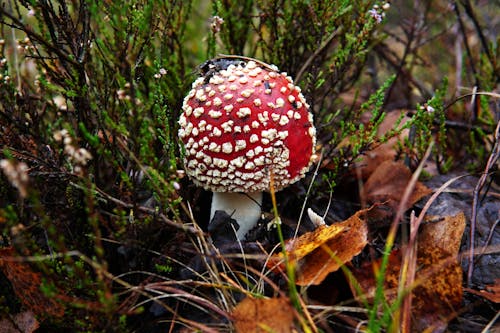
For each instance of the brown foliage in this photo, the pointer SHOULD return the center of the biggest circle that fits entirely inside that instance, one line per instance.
(326, 249)
(253, 315)
(437, 292)
(24, 322)
(26, 284)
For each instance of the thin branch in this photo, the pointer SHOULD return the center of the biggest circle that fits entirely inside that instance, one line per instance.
(309, 60)
(148, 210)
(17, 24)
(470, 12)
(495, 153)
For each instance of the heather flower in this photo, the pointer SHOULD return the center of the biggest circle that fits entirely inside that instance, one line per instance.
(17, 174)
(375, 15)
(216, 24)
(78, 156)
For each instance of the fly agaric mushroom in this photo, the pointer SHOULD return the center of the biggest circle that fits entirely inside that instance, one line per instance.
(243, 123)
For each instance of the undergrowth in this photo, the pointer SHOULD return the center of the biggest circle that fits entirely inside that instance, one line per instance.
(92, 192)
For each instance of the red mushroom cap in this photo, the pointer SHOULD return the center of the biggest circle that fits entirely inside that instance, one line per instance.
(241, 121)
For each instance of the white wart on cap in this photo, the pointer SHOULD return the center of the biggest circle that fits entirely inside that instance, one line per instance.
(242, 121)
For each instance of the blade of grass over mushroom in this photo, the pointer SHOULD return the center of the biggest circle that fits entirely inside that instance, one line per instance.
(308, 193)
(304, 317)
(289, 267)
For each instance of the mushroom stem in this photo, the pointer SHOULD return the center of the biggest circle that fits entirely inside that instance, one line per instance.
(245, 208)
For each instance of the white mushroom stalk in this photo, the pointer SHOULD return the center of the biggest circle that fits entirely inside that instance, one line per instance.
(245, 208)
(242, 122)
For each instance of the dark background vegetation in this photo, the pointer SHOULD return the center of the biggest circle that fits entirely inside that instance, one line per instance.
(92, 192)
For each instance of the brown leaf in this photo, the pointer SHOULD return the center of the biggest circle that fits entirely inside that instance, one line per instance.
(386, 186)
(254, 315)
(326, 249)
(24, 322)
(365, 277)
(445, 234)
(438, 290)
(26, 284)
(441, 289)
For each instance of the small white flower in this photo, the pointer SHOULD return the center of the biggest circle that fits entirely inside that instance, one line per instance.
(77, 156)
(17, 174)
(121, 93)
(67, 140)
(60, 135)
(81, 156)
(60, 102)
(216, 23)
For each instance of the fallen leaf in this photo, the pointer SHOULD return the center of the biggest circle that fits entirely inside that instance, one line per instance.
(438, 283)
(385, 187)
(324, 250)
(24, 322)
(446, 233)
(253, 315)
(26, 284)
(440, 291)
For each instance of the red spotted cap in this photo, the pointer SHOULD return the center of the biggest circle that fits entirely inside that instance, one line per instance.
(242, 121)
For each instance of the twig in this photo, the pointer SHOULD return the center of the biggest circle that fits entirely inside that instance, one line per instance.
(309, 189)
(197, 301)
(411, 249)
(469, 54)
(470, 12)
(401, 71)
(491, 323)
(16, 58)
(495, 152)
(315, 54)
(17, 24)
(148, 210)
(409, 262)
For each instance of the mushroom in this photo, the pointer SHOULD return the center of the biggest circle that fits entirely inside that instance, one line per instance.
(244, 125)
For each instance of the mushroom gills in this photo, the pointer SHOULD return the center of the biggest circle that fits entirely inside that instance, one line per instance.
(245, 208)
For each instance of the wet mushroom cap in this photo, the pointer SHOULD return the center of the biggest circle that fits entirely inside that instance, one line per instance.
(241, 121)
